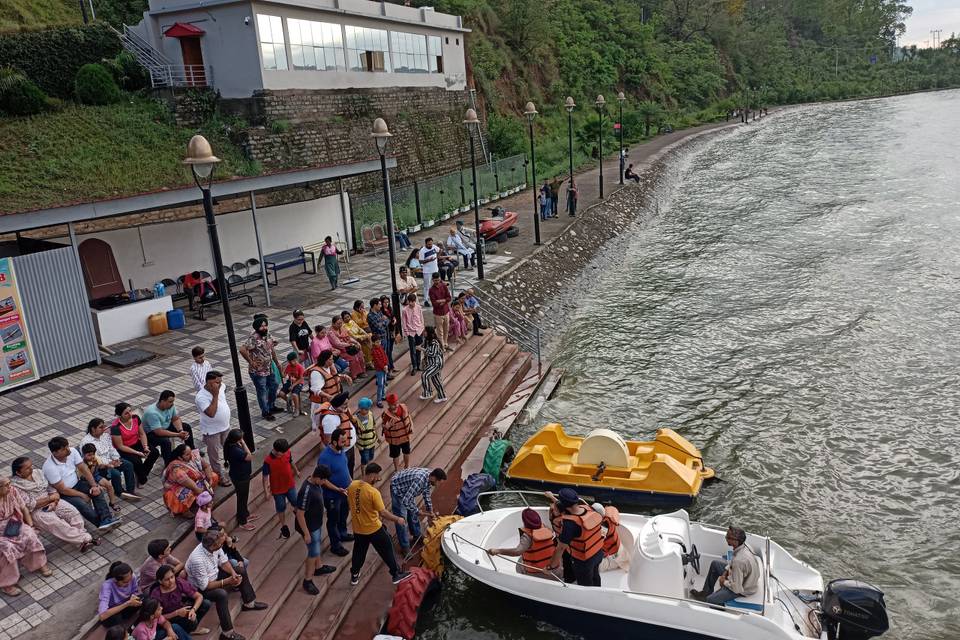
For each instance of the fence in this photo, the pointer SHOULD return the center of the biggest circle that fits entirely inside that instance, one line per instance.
(428, 201)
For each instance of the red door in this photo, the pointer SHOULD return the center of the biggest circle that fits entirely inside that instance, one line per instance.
(193, 62)
(100, 272)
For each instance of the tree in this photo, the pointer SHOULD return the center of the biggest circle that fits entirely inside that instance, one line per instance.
(650, 111)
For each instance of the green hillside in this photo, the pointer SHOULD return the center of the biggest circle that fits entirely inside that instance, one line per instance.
(36, 14)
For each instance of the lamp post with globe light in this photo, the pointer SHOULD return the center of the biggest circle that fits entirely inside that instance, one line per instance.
(531, 112)
(600, 103)
(473, 123)
(202, 162)
(381, 136)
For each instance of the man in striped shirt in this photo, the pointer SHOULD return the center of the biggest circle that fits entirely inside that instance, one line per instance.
(199, 368)
(405, 486)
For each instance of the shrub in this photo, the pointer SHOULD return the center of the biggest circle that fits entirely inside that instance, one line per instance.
(52, 57)
(95, 85)
(128, 73)
(19, 96)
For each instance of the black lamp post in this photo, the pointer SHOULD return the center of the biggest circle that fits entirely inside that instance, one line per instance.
(620, 99)
(201, 160)
(381, 135)
(601, 103)
(531, 112)
(472, 123)
(570, 105)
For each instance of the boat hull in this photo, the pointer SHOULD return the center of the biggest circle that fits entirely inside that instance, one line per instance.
(607, 494)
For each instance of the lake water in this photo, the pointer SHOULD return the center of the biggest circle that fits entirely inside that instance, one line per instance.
(792, 309)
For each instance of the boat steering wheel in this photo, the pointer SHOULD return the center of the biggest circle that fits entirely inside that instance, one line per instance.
(693, 558)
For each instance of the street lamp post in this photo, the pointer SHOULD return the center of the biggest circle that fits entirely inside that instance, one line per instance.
(620, 99)
(531, 112)
(472, 123)
(381, 136)
(201, 161)
(570, 105)
(601, 103)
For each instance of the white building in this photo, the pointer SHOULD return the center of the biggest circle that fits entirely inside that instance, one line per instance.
(239, 46)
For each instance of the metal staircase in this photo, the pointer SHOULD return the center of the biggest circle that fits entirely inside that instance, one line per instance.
(163, 73)
(487, 154)
(507, 321)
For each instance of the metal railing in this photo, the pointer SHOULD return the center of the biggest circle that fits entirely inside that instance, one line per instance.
(182, 75)
(432, 200)
(528, 568)
(521, 330)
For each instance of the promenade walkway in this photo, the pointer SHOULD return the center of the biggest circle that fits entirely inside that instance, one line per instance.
(59, 605)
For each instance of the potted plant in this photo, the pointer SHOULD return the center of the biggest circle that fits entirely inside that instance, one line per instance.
(445, 216)
(504, 194)
(429, 223)
(414, 228)
(465, 208)
(454, 212)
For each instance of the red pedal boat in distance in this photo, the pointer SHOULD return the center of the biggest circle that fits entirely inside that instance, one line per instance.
(498, 225)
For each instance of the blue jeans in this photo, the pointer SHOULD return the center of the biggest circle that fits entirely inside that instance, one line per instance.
(387, 344)
(412, 516)
(381, 385)
(313, 549)
(125, 471)
(177, 630)
(337, 509)
(266, 387)
(280, 500)
(367, 455)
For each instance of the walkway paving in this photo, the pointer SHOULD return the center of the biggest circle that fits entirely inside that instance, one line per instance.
(63, 405)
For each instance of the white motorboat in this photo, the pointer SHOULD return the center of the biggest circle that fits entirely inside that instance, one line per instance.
(664, 557)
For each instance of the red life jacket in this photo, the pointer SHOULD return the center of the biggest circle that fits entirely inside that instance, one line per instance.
(590, 540)
(396, 429)
(541, 550)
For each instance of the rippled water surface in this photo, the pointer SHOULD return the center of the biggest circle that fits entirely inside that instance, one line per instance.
(793, 310)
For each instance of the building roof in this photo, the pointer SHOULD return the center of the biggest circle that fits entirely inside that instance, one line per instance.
(184, 30)
(110, 208)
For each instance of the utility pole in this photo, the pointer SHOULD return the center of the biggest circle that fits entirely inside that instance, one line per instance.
(836, 62)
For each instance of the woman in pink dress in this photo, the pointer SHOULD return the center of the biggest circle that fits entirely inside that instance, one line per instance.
(57, 517)
(23, 547)
(458, 323)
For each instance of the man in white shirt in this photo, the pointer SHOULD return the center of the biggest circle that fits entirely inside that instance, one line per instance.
(214, 420)
(200, 368)
(456, 243)
(210, 571)
(430, 266)
(406, 283)
(66, 472)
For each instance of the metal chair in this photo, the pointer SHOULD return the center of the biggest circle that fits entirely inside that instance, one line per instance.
(235, 280)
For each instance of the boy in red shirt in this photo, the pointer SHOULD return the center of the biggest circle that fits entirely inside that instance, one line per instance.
(293, 374)
(282, 475)
(380, 368)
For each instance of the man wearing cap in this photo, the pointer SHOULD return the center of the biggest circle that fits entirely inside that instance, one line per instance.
(536, 547)
(581, 537)
(737, 574)
(259, 352)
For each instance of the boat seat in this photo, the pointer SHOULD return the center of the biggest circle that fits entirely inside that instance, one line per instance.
(656, 566)
(603, 445)
(752, 602)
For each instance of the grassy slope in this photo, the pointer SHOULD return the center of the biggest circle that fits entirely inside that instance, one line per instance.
(89, 153)
(17, 14)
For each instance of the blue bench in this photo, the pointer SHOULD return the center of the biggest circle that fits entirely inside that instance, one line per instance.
(289, 258)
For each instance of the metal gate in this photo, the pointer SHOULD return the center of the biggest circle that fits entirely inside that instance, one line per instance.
(56, 309)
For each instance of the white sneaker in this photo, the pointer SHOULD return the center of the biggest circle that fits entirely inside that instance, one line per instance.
(439, 400)
(423, 397)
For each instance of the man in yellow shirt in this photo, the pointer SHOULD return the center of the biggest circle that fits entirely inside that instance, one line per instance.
(366, 511)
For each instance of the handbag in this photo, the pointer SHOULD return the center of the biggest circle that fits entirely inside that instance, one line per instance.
(12, 530)
(352, 350)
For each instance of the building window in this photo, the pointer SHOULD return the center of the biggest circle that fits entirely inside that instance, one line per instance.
(367, 49)
(448, 40)
(272, 47)
(435, 50)
(409, 52)
(458, 42)
(315, 45)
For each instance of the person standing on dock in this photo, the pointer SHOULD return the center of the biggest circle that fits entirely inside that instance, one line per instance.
(405, 486)
(397, 429)
(440, 299)
(309, 524)
(429, 265)
(411, 322)
(367, 513)
(259, 352)
(334, 458)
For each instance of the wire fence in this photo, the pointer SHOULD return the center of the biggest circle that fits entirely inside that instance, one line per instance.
(428, 201)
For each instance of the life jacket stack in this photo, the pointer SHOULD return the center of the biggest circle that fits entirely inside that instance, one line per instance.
(541, 550)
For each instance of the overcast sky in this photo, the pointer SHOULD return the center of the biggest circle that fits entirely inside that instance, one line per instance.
(931, 14)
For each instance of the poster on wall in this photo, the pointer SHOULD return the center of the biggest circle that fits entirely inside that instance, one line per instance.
(17, 365)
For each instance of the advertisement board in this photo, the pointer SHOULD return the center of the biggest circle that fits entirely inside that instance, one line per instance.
(17, 365)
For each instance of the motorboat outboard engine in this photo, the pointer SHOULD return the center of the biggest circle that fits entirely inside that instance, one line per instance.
(853, 610)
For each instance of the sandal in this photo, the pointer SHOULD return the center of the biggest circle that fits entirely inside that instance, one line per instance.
(12, 591)
(45, 571)
(116, 508)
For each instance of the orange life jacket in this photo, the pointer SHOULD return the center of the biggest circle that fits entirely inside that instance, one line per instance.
(541, 550)
(611, 542)
(397, 430)
(331, 385)
(590, 541)
(556, 520)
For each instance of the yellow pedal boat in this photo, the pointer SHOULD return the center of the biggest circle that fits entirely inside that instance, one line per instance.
(667, 471)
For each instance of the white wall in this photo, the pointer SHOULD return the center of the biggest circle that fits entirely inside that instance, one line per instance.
(175, 248)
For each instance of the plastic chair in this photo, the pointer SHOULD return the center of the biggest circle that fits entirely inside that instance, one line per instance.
(236, 267)
(234, 280)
